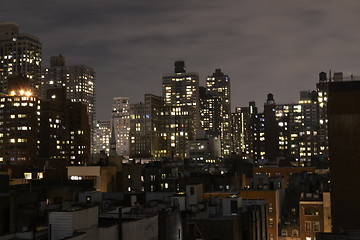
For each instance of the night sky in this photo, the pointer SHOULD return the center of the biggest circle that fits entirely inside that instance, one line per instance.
(264, 46)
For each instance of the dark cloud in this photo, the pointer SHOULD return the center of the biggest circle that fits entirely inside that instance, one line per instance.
(275, 46)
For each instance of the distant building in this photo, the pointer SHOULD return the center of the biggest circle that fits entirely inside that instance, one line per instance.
(322, 88)
(218, 112)
(20, 54)
(101, 136)
(298, 129)
(105, 177)
(242, 130)
(65, 130)
(182, 89)
(179, 128)
(120, 121)
(204, 148)
(19, 123)
(182, 112)
(55, 132)
(79, 81)
(146, 128)
(271, 130)
(265, 132)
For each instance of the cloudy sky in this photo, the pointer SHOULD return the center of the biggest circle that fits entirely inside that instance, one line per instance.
(276, 46)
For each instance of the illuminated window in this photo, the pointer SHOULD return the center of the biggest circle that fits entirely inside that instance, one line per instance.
(28, 175)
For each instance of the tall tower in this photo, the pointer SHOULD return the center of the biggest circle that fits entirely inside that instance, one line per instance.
(65, 130)
(219, 111)
(79, 81)
(322, 91)
(271, 130)
(182, 89)
(182, 109)
(20, 54)
(242, 132)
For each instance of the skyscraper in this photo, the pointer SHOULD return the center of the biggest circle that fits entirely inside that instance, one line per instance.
(20, 54)
(182, 89)
(79, 81)
(120, 121)
(182, 109)
(19, 123)
(146, 127)
(219, 111)
(271, 130)
(298, 125)
(65, 130)
(242, 130)
(322, 91)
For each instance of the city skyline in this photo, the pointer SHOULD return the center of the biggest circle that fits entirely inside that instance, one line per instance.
(278, 47)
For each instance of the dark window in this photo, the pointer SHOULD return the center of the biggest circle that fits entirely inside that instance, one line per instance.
(192, 190)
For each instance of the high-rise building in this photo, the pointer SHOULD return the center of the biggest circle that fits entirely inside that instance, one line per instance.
(181, 113)
(271, 130)
(120, 121)
(179, 128)
(19, 123)
(55, 135)
(322, 88)
(65, 130)
(182, 89)
(242, 130)
(146, 127)
(101, 136)
(205, 111)
(20, 54)
(79, 81)
(219, 110)
(298, 129)
(80, 133)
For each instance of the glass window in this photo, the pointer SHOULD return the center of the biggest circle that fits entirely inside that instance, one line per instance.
(307, 226)
(316, 226)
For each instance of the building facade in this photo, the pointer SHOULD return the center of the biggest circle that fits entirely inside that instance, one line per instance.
(146, 128)
(219, 109)
(120, 121)
(344, 138)
(20, 54)
(181, 112)
(79, 81)
(19, 123)
(101, 136)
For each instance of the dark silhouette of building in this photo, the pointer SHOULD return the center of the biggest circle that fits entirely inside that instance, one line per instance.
(271, 130)
(343, 112)
(65, 130)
